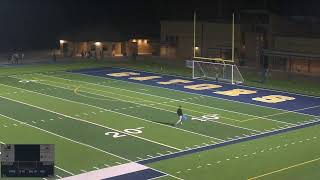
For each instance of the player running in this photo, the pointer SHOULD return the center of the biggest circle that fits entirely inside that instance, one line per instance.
(180, 115)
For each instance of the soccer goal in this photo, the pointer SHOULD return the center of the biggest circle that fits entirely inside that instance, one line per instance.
(216, 71)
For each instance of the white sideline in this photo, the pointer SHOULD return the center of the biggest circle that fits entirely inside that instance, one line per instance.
(214, 97)
(108, 172)
(64, 170)
(80, 144)
(148, 106)
(112, 110)
(258, 117)
(89, 122)
(275, 90)
(77, 142)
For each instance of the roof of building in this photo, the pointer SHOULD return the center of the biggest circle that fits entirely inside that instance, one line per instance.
(94, 33)
(113, 33)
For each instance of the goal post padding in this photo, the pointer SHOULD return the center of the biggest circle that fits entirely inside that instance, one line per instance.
(216, 71)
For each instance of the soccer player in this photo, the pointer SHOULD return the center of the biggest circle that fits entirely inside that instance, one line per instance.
(180, 115)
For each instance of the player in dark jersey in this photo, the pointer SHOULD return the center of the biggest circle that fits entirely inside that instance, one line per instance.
(180, 115)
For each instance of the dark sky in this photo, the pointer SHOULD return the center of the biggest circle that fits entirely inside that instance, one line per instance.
(38, 23)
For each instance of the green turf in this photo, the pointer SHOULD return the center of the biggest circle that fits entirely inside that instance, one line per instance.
(71, 64)
(254, 158)
(68, 155)
(75, 111)
(297, 84)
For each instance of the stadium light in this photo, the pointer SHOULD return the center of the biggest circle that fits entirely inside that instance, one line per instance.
(97, 43)
(139, 41)
(134, 40)
(62, 41)
(196, 48)
(145, 41)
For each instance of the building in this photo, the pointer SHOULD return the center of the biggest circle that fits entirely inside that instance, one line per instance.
(289, 44)
(105, 41)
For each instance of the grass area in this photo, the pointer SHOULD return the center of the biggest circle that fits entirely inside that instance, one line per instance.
(277, 81)
(98, 122)
(286, 82)
(281, 157)
(63, 66)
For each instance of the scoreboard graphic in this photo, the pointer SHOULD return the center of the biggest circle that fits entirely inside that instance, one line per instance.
(27, 160)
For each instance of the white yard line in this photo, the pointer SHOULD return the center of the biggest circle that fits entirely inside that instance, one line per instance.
(258, 117)
(107, 78)
(191, 149)
(240, 127)
(150, 107)
(64, 137)
(139, 99)
(285, 112)
(64, 170)
(168, 105)
(158, 177)
(220, 82)
(124, 114)
(59, 176)
(170, 99)
(155, 142)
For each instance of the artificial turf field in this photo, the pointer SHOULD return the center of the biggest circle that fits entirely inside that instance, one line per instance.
(98, 122)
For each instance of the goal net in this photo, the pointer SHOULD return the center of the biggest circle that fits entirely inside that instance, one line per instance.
(216, 71)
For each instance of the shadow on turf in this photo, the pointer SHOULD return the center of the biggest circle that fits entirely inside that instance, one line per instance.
(165, 123)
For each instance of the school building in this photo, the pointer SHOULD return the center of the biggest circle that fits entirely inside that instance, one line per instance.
(289, 44)
(105, 41)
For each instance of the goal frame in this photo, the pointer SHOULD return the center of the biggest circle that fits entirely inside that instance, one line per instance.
(233, 66)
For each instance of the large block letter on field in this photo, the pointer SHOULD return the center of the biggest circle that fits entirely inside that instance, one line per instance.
(145, 78)
(273, 99)
(175, 81)
(123, 74)
(236, 92)
(202, 86)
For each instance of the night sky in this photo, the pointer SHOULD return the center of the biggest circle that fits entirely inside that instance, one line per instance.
(35, 24)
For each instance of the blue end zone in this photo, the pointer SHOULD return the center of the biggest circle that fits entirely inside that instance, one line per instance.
(308, 105)
(313, 111)
(141, 175)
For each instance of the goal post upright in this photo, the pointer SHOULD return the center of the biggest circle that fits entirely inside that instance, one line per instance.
(194, 33)
(232, 70)
(193, 70)
(232, 48)
(214, 68)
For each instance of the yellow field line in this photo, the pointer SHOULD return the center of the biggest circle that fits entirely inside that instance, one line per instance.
(140, 99)
(143, 100)
(76, 91)
(284, 169)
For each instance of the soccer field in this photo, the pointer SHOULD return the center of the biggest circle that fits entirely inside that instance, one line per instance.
(106, 117)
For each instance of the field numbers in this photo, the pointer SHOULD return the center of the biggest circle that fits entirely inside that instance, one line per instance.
(208, 117)
(125, 132)
(115, 134)
(27, 81)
